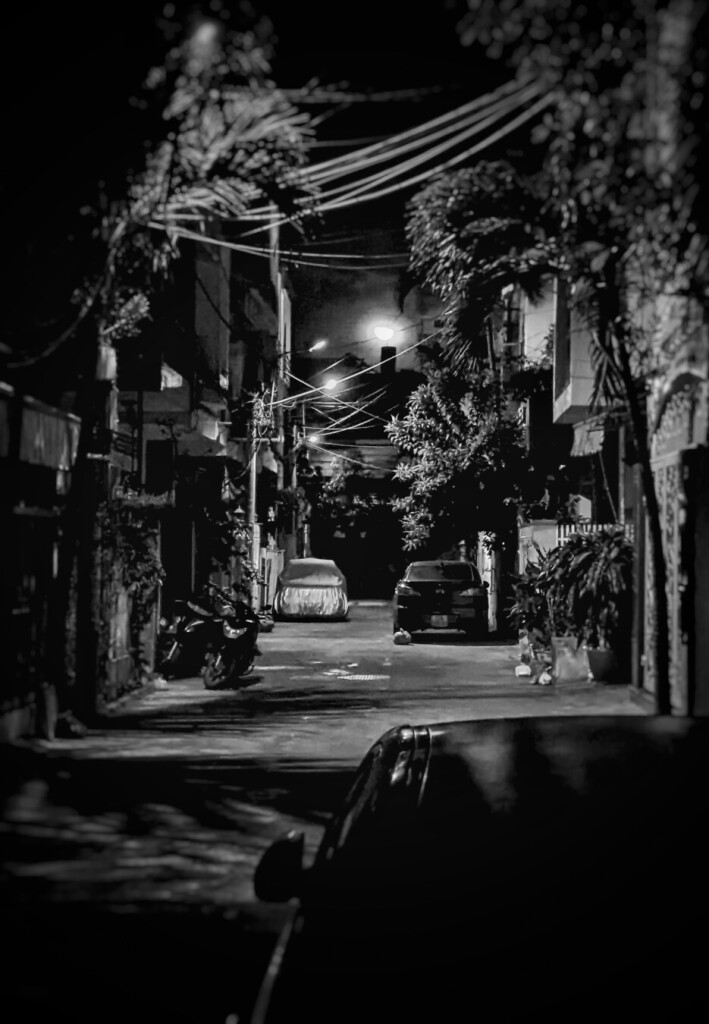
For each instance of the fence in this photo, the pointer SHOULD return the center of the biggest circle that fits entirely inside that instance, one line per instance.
(565, 530)
(547, 534)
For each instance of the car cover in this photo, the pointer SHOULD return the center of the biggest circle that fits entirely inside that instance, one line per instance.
(311, 587)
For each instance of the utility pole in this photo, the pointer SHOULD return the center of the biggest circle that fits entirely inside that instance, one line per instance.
(255, 540)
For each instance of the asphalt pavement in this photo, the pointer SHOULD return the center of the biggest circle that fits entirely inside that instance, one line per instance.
(128, 854)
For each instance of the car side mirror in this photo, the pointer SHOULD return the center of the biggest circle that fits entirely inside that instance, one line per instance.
(279, 873)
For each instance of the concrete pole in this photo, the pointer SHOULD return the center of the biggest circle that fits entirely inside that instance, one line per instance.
(253, 526)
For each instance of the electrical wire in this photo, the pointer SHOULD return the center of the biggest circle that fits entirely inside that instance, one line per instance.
(460, 134)
(265, 253)
(260, 249)
(334, 399)
(424, 127)
(499, 108)
(314, 390)
(353, 200)
(472, 122)
(336, 455)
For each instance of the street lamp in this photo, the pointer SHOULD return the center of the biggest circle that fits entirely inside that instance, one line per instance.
(314, 439)
(318, 345)
(383, 333)
(330, 384)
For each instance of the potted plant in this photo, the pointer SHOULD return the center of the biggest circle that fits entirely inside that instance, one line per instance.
(539, 617)
(592, 583)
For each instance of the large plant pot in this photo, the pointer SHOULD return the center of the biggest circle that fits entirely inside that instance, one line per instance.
(603, 663)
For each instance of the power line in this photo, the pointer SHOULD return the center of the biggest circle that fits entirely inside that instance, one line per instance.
(354, 199)
(470, 126)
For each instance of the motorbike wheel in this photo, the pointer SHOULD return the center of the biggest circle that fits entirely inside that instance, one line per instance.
(214, 673)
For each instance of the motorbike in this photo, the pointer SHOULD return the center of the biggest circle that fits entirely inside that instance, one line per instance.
(218, 643)
(181, 644)
(231, 642)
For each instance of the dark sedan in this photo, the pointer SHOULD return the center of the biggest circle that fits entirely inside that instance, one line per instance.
(441, 595)
(502, 870)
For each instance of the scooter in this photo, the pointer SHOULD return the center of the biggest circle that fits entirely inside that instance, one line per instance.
(218, 643)
(231, 646)
(181, 641)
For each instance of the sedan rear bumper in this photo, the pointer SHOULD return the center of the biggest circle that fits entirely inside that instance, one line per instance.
(460, 618)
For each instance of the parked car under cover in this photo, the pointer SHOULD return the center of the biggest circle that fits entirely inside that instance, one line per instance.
(441, 595)
(504, 870)
(311, 588)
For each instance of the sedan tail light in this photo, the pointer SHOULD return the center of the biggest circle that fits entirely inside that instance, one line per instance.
(405, 590)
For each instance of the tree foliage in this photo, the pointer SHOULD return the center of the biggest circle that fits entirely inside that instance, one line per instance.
(624, 141)
(582, 587)
(473, 232)
(463, 457)
(625, 152)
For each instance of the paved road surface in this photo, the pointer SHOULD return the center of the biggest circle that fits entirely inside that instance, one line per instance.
(128, 855)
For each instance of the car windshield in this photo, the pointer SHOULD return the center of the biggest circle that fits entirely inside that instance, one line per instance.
(420, 572)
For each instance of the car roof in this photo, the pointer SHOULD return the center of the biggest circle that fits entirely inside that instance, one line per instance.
(509, 865)
(526, 762)
(445, 562)
(311, 567)
(312, 561)
(441, 561)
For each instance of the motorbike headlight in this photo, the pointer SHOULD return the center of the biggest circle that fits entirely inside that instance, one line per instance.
(230, 632)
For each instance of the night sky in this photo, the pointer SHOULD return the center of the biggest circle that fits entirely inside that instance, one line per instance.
(68, 115)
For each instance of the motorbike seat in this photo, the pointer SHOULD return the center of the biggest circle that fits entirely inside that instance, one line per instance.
(200, 611)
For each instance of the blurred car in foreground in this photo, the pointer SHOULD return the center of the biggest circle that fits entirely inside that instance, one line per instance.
(497, 869)
(311, 588)
(441, 595)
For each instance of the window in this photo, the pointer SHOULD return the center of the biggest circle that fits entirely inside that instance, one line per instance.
(159, 467)
(437, 571)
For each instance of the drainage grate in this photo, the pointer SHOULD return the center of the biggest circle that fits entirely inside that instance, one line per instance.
(364, 678)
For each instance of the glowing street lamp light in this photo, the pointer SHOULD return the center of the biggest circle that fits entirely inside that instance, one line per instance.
(314, 439)
(330, 384)
(383, 333)
(317, 345)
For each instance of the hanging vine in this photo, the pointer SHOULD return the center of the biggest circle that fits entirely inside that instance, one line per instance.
(129, 544)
